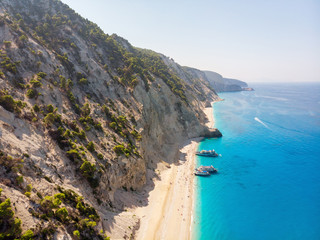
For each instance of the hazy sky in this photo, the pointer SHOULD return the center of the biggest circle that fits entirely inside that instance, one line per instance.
(251, 40)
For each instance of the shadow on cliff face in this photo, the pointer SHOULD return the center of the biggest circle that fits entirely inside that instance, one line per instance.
(118, 220)
(128, 199)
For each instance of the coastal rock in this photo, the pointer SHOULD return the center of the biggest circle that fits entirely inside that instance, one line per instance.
(212, 133)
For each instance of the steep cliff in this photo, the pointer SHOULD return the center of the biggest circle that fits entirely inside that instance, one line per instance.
(83, 115)
(221, 84)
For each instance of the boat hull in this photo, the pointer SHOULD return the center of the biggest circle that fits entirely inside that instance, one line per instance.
(207, 155)
(202, 175)
(208, 169)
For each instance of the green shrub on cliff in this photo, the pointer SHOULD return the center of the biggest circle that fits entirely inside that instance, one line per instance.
(113, 125)
(50, 108)
(120, 149)
(23, 38)
(71, 96)
(62, 214)
(36, 108)
(88, 169)
(28, 194)
(82, 135)
(10, 226)
(31, 93)
(122, 119)
(35, 83)
(136, 135)
(76, 233)
(73, 155)
(28, 235)
(7, 44)
(91, 146)
(8, 102)
(48, 203)
(41, 74)
(5, 210)
(49, 119)
(100, 156)
(83, 81)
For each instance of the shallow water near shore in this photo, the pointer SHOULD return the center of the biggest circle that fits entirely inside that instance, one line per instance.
(268, 185)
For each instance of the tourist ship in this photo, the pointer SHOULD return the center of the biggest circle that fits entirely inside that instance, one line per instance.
(201, 173)
(209, 153)
(209, 169)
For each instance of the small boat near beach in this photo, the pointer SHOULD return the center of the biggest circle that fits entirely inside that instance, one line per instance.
(207, 153)
(205, 171)
(201, 173)
(209, 169)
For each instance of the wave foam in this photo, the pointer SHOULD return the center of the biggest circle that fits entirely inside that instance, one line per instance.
(259, 121)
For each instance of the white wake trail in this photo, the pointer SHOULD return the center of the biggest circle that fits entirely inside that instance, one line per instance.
(259, 121)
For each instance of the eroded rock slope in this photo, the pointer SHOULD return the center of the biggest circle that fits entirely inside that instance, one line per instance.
(83, 114)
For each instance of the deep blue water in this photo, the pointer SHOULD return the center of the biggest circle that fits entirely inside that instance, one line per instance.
(268, 185)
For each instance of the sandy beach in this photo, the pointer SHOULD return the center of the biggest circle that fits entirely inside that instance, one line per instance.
(169, 212)
(209, 113)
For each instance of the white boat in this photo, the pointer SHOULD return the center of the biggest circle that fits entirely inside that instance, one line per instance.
(209, 153)
(209, 169)
(201, 173)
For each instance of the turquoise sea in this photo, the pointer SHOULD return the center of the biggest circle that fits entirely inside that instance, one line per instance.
(268, 185)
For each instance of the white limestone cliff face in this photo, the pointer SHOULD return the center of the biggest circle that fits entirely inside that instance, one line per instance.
(158, 114)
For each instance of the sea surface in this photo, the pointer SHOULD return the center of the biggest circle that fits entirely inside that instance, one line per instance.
(268, 184)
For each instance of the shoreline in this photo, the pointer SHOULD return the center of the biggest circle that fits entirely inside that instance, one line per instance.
(208, 111)
(169, 212)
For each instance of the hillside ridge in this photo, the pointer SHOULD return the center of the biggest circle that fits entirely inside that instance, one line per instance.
(85, 119)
